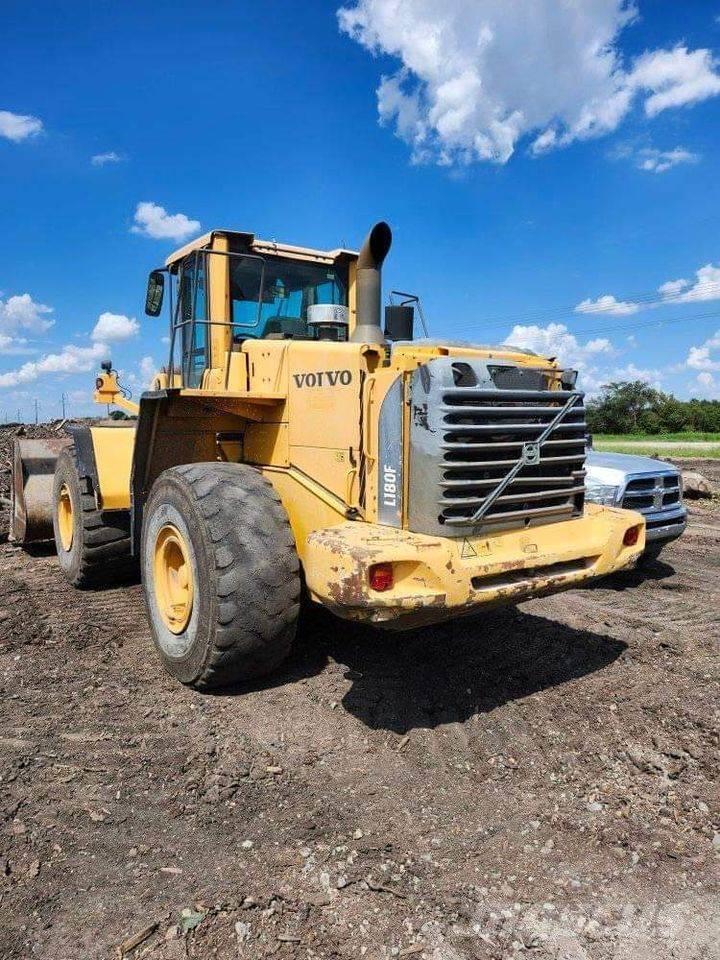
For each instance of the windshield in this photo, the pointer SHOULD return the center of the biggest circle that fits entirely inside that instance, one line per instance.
(289, 287)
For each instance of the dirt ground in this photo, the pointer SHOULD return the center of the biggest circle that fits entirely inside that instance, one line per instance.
(540, 781)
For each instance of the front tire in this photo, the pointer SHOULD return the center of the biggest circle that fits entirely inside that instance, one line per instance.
(220, 573)
(652, 552)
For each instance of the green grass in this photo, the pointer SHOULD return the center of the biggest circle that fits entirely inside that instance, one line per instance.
(663, 450)
(689, 437)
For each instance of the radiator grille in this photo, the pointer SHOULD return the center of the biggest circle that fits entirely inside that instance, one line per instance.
(484, 432)
(470, 421)
(648, 494)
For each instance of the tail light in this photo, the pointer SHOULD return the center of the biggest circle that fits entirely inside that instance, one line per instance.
(632, 535)
(381, 577)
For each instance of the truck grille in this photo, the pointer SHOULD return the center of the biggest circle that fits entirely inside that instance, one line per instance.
(648, 494)
(484, 432)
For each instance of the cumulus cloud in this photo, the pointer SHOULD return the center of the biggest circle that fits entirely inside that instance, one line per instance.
(675, 78)
(114, 327)
(152, 220)
(101, 159)
(22, 313)
(477, 76)
(15, 346)
(706, 357)
(607, 304)
(18, 127)
(660, 161)
(706, 286)
(631, 372)
(706, 386)
(555, 340)
(148, 369)
(70, 359)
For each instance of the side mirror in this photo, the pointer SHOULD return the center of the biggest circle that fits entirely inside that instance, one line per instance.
(399, 322)
(155, 293)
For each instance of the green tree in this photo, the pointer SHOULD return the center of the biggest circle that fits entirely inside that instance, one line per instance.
(620, 406)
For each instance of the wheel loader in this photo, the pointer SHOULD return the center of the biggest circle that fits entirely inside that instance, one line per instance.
(293, 448)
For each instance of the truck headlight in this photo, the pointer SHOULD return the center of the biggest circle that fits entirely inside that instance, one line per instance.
(605, 494)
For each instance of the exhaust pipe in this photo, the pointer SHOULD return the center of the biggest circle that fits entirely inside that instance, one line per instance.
(369, 284)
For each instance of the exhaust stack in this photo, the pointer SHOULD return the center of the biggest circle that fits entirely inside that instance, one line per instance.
(369, 284)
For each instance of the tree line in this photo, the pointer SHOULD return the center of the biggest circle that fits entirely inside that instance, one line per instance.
(636, 407)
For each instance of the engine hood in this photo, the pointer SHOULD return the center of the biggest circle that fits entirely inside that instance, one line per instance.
(616, 466)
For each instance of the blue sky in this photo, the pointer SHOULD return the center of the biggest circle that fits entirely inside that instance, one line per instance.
(547, 171)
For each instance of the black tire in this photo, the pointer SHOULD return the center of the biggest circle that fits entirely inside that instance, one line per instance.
(245, 571)
(99, 554)
(652, 552)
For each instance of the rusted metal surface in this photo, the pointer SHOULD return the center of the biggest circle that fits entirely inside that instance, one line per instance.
(440, 578)
(33, 470)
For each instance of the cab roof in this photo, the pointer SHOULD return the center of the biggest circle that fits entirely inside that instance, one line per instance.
(268, 247)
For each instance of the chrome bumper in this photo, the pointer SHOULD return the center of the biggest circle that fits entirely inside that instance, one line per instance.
(665, 524)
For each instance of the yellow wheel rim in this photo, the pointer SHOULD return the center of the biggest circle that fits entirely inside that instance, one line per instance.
(173, 578)
(65, 518)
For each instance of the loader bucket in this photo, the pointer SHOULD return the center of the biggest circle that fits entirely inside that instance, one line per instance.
(33, 470)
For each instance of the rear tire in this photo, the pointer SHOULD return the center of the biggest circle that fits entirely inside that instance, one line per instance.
(231, 541)
(93, 546)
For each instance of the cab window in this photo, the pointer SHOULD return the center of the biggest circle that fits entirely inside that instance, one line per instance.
(193, 307)
(273, 296)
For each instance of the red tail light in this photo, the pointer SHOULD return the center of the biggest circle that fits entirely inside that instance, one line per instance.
(631, 536)
(381, 577)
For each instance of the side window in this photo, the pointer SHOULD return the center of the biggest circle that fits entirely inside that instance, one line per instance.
(193, 314)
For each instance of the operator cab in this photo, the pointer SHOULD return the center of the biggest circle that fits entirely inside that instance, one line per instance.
(227, 287)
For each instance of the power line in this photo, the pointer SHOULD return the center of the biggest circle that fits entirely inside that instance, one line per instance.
(640, 300)
(623, 325)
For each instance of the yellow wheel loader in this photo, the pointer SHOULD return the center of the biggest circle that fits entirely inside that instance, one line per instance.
(292, 445)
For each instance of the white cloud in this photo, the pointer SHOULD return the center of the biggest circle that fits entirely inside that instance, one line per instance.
(114, 327)
(148, 369)
(15, 346)
(555, 340)
(706, 387)
(154, 221)
(631, 372)
(705, 287)
(660, 161)
(704, 357)
(477, 76)
(101, 159)
(607, 304)
(70, 359)
(21, 312)
(17, 127)
(675, 78)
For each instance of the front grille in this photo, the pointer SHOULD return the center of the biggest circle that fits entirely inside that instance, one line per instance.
(484, 432)
(470, 421)
(652, 493)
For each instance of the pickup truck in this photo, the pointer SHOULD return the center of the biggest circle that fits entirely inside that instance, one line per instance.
(651, 487)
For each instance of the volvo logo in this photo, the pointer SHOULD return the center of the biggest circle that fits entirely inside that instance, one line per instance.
(323, 378)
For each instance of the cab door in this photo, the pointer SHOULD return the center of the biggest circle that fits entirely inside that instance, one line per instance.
(194, 319)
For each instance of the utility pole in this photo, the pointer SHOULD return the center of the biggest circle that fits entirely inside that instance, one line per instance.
(63, 400)
(36, 411)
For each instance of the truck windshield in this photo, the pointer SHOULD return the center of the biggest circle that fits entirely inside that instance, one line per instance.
(289, 288)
